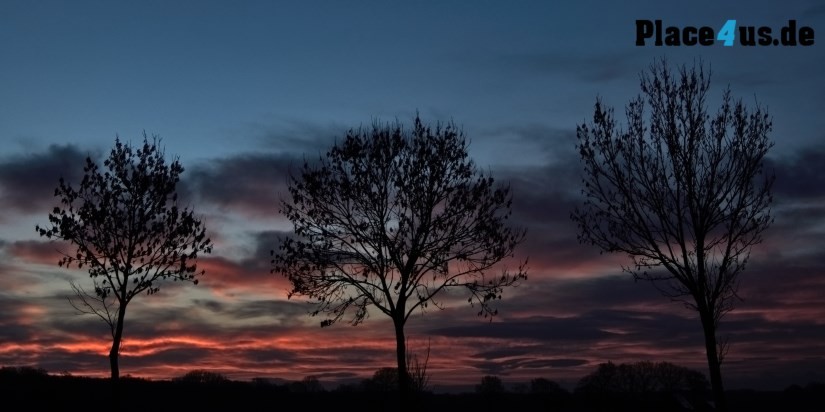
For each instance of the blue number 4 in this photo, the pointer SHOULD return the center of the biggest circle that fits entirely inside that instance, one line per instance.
(727, 32)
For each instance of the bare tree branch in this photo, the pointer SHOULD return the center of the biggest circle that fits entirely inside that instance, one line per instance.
(99, 304)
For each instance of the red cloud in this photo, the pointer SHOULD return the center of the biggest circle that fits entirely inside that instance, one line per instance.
(44, 253)
(227, 277)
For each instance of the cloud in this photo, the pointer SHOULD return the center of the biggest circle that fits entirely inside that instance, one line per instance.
(265, 242)
(544, 197)
(253, 184)
(300, 136)
(564, 297)
(250, 184)
(14, 326)
(799, 176)
(27, 181)
(40, 252)
(814, 11)
(275, 313)
(251, 273)
(586, 328)
(597, 69)
(526, 365)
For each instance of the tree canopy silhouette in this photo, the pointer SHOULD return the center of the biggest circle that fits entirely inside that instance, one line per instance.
(390, 218)
(490, 385)
(128, 230)
(641, 378)
(679, 189)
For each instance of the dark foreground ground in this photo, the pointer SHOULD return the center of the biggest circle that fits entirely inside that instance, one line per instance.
(32, 391)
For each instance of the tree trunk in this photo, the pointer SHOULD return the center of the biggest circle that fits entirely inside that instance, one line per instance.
(713, 361)
(404, 389)
(114, 354)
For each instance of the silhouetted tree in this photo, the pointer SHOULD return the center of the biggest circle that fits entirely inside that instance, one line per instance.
(200, 376)
(545, 386)
(674, 378)
(309, 384)
(549, 394)
(490, 385)
(23, 372)
(384, 380)
(600, 382)
(312, 384)
(641, 378)
(129, 231)
(679, 189)
(390, 218)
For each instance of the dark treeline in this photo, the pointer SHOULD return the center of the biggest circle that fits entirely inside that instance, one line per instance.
(610, 387)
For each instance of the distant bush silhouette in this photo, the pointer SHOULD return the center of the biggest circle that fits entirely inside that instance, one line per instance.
(383, 380)
(643, 385)
(23, 372)
(546, 386)
(809, 398)
(34, 389)
(641, 378)
(490, 385)
(309, 384)
(203, 377)
(350, 387)
(13, 376)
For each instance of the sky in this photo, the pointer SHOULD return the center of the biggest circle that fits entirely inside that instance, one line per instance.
(240, 93)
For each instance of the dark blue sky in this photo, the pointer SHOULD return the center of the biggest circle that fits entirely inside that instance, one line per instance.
(239, 91)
